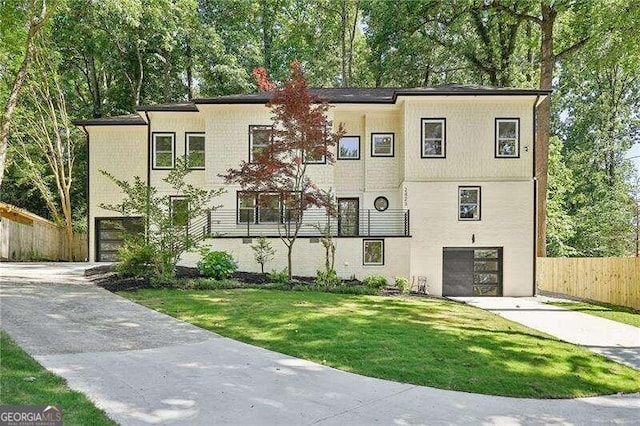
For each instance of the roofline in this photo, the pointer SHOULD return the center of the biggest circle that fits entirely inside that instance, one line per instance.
(393, 99)
(100, 122)
(168, 107)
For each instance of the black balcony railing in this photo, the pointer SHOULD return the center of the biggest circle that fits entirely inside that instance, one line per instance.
(314, 223)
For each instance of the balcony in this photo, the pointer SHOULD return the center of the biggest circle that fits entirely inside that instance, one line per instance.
(362, 223)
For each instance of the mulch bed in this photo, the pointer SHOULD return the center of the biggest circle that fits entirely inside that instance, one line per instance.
(105, 276)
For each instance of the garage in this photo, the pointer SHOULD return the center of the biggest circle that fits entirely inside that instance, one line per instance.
(473, 271)
(110, 234)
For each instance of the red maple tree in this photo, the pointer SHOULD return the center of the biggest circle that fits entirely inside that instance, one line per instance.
(301, 134)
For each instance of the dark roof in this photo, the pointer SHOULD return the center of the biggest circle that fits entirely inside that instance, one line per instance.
(119, 120)
(378, 94)
(334, 95)
(181, 106)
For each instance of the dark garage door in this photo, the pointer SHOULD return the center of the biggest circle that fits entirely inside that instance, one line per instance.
(472, 271)
(110, 234)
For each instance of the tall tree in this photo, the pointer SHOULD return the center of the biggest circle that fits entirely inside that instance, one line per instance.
(37, 13)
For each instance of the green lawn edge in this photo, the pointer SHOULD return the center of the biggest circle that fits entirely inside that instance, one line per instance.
(429, 342)
(616, 313)
(23, 381)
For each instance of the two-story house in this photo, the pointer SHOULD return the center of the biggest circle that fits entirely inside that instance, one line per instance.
(433, 184)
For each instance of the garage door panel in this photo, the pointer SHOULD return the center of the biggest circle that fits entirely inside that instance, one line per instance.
(472, 271)
(110, 235)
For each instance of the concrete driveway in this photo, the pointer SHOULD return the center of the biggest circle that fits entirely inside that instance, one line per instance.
(615, 340)
(144, 367)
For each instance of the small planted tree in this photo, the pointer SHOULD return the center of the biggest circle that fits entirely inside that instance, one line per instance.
(167, 235)
(263, 252)
(301, 133)
(326, 230)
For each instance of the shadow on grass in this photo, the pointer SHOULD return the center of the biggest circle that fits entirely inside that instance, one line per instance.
(425, 342)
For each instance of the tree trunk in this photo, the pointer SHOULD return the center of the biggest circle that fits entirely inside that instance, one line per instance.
(289, 256)
(190, 78)
(94, 87)
(166, 76)
(343, 43)
(544, 124)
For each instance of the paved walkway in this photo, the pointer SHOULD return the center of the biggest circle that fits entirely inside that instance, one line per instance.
(620, 342)
(145, 368)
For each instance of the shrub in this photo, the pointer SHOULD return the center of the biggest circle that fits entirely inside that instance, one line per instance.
(375, 281)
(216, 264)
(328, 279)
(403, 284)
(136, 259)
(280, 277)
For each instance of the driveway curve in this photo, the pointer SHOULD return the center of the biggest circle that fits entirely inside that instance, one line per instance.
(143, 367)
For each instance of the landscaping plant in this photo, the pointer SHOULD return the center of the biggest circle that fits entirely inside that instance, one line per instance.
(263, 252)
(281, 277)
(328, 279)
(403, 284)
(375, 281)
(168, 238)
(216, 264)
(301, 132)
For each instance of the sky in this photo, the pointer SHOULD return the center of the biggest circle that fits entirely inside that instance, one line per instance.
(635, 152)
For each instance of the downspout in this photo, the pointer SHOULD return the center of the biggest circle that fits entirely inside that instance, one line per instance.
(149, 145)
(535, 197)
(87, 180)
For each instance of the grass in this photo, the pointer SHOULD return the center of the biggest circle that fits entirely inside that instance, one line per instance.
(613, 312)
(422, 341)
(25, 382)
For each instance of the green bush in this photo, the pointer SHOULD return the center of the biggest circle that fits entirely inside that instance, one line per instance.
(216, 264)
(280, 277)
(328, 279)
(403, 284)
(375, 281)
(136, 258)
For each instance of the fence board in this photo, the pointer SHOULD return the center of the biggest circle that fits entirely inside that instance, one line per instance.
(25, 236)
(614, 280)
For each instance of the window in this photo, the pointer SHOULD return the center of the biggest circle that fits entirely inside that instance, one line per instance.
(507, 138)
(259, 139)
(163, 148)
(179, 211)
(258, 207)
(194, 149)
(434, 138)
(382, 144)
(349, 148)
(381, 204)
(373, 252)
(469, 203)
(246, 207)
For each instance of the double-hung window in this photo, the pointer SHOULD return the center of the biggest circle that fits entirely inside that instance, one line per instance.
(469, 203)
(433, 138)
(163, 150)
(194, 150)
(259, 140)
(507, 138)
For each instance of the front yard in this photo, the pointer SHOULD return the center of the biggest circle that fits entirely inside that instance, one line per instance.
(25, 382)
(422, 341)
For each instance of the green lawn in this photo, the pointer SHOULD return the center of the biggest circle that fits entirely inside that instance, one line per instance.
(426, 342)
(25, 382)
(613, 312)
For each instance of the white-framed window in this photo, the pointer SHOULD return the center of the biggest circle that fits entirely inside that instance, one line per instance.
(507, 138)
(194, 150)
(433, 133)
(163, 149)
(259, 140)
(469, 203)
(382, 144)
(373, 252)
(349, 148)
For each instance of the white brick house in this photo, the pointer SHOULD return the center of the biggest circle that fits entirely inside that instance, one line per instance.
(433, 183)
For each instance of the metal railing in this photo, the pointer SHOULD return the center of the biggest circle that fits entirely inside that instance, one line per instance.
(225, 223)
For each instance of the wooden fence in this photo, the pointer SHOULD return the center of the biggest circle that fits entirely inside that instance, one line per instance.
(614, 280)
(25, 236)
